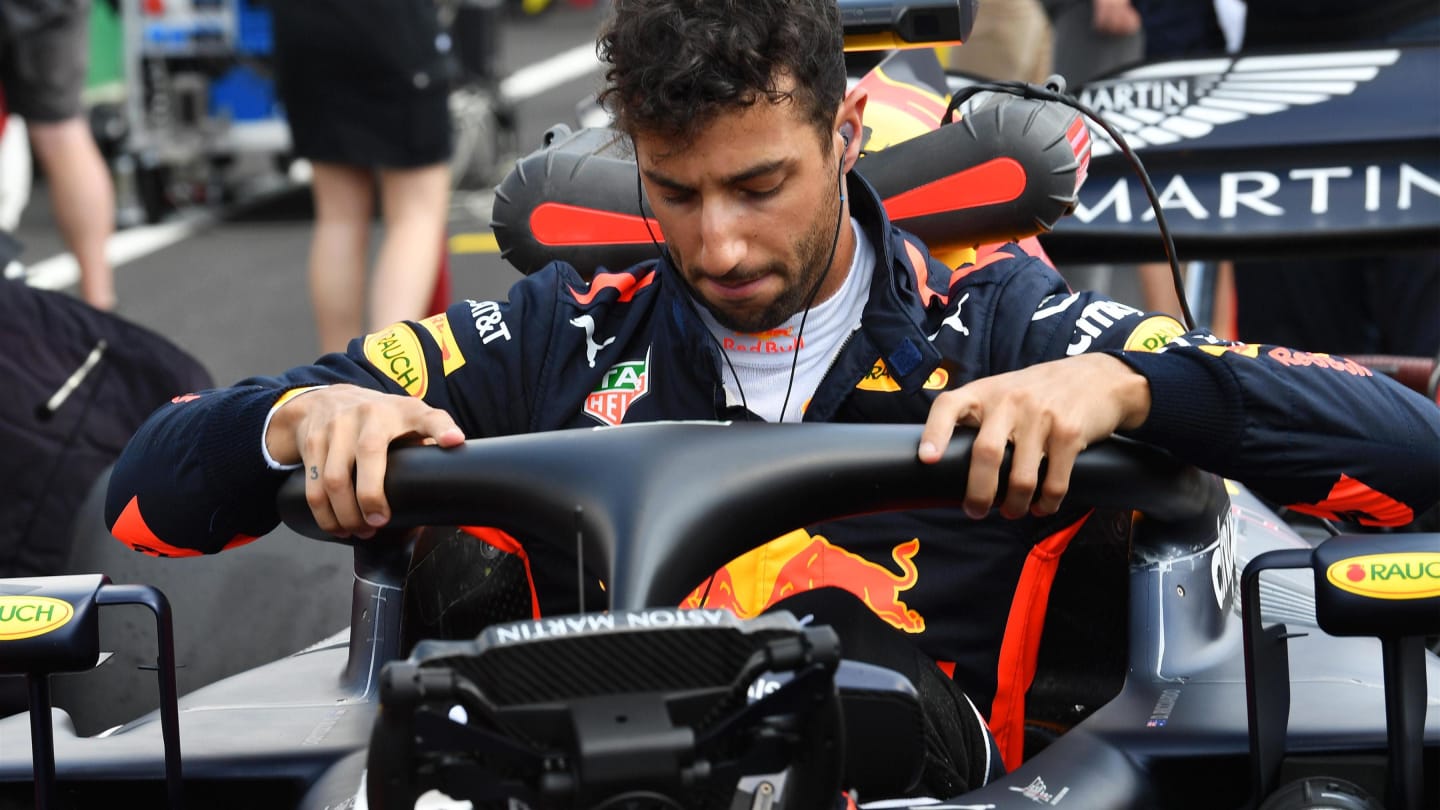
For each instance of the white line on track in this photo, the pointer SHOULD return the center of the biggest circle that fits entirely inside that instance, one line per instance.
(532, 80)
(125, 246)
(58, 272)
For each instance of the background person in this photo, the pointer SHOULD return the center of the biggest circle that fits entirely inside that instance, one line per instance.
(1011, 41)
(44, 51)
(365, 84)
(1093, 37)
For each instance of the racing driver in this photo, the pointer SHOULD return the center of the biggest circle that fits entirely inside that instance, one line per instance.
(783, 293)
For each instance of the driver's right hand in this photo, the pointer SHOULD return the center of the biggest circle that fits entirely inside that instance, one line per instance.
(341, 436)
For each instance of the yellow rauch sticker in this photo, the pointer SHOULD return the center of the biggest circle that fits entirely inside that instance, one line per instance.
(1409, 575)
(1153, 333)
(396, 352)
(29, 616)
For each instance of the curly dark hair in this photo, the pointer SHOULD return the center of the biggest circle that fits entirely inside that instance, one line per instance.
(674, 65)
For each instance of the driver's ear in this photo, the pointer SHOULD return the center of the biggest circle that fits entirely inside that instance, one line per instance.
(849, 123)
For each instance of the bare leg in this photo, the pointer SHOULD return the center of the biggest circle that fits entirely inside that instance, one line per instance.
(414, 203)
(1159, 290)
(1157, 286)
(344, 204)
(83, 198)
(1225, 301)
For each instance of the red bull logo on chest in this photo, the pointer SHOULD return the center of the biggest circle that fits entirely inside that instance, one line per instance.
(622, 384)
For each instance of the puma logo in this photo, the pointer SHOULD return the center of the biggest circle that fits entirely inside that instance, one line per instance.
(954, 321)
(591, 347)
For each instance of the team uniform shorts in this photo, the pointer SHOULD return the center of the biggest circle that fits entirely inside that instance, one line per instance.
(42, 70)
(364, 82)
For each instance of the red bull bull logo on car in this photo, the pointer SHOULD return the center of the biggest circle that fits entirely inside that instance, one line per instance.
(899, 109)
(798, 562)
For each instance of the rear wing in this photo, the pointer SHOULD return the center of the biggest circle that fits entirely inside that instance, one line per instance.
(1265, 154)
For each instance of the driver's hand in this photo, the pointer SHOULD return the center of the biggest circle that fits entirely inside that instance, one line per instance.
(1047, 411)
(344, 430)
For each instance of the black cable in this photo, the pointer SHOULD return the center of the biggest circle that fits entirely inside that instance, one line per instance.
(1054, 91)
(819, 280)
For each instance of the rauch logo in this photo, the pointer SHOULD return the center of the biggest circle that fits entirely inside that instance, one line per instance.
(1414, 575)
(28, 616)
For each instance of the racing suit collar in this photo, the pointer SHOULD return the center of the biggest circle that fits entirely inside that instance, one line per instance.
(894, 314)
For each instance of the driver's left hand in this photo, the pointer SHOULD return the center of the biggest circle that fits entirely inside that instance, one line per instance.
(1050, 411)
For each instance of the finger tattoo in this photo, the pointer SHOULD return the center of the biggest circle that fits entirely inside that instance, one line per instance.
(314, 472)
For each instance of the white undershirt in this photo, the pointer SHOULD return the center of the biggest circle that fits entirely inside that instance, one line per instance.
(760, 377)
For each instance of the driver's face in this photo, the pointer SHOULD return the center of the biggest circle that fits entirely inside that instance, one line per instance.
(748, 210)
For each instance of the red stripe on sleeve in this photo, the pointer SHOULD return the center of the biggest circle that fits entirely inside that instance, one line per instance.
(130, 528)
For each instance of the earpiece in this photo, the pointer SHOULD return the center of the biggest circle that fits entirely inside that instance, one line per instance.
(846, 133)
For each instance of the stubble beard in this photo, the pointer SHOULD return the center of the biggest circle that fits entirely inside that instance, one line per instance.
(815, 252)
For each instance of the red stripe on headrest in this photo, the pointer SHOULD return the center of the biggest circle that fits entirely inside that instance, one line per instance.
(561, 224)
(994, 181)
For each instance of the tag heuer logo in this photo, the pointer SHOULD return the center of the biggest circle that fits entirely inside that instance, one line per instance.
(618, 389)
